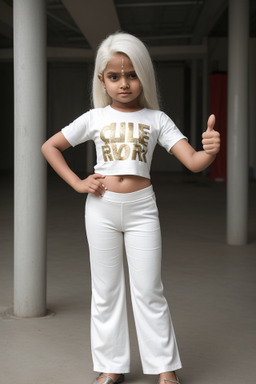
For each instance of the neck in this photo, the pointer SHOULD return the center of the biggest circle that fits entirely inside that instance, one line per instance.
(126, 107)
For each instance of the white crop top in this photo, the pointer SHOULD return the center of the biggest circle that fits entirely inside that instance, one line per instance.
(124, 141)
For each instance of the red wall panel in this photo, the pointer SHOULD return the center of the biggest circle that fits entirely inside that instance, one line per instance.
(218, 106)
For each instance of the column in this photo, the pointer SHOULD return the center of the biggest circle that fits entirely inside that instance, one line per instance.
(237, 185)
(30, 167)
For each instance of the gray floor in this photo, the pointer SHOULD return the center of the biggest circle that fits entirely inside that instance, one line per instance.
(210, 287)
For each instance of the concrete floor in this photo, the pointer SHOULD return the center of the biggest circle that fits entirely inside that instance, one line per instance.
(210, 287)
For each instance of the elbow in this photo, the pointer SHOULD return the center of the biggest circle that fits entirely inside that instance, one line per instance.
(196, 170)
(43, 148)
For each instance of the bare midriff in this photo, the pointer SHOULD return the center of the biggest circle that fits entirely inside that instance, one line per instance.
(125, 183)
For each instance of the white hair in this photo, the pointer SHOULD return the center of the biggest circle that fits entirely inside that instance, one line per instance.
(138, 54)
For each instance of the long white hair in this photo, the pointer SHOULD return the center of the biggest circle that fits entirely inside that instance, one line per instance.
(141, 61)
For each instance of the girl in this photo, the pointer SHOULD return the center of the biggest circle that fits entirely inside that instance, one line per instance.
(125, 126)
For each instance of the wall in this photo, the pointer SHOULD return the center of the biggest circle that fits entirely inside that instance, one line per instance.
(69, 96)
(252, 108)
(7, 117)
(218, 61)
(171, 83)
(69, 88)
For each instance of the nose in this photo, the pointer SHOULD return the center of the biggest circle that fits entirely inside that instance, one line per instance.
(124, 82)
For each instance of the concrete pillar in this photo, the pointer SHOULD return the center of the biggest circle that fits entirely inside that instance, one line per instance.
(237, 183)
(30, 167)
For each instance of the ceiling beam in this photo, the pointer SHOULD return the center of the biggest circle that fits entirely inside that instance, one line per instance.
(95, 19)
(160, 4)
(178, 52)
(70, 54)
(211, 12)
(167, 53)
(59, 54)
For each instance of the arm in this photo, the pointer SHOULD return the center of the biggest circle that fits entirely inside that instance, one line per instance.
(197, 161)
(52, 150)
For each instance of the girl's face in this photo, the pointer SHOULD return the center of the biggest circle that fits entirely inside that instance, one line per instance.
(121, 83)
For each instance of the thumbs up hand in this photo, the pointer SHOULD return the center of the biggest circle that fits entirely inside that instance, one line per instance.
(211, 138)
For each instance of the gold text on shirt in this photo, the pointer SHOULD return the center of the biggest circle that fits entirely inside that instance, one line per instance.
(121, 143)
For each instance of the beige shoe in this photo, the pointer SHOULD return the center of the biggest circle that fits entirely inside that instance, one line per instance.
(109, 380)
(166, 381)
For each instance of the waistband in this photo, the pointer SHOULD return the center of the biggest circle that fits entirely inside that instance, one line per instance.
(130, 196)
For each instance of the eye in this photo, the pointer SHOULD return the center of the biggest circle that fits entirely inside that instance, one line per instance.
(113, 77)
(133, 75)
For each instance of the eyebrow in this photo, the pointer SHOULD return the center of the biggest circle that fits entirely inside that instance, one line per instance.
(118, 73)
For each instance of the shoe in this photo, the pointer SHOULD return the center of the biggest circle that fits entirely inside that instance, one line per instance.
(109, 380)
(177, 381)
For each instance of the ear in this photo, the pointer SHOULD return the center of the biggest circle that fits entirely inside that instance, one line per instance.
(101, 78)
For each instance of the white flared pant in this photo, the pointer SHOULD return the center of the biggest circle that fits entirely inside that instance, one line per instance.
(128, 220)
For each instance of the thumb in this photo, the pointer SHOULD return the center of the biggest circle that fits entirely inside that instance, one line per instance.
(98, 176)
(211, 123)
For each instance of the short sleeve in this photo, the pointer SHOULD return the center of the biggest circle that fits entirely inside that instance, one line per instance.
(169, 133)
(78, 131)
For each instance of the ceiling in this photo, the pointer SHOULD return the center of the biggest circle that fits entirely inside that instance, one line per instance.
(82, 24)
